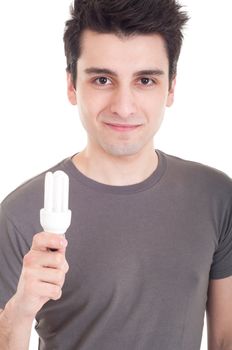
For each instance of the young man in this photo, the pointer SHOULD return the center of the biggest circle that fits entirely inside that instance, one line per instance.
(150, 244)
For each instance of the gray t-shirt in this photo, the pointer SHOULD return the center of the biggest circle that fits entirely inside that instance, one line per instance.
(140, 256)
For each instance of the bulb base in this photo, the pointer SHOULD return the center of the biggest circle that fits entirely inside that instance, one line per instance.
(55, 222)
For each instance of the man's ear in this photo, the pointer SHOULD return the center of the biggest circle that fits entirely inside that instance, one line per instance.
(71, 91)
(171, 92)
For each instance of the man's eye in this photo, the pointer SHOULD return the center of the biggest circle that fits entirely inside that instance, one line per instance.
(147, 81)
(102, 81)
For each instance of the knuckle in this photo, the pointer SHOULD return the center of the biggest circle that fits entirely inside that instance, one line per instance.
(66, 267)
(55, 292)
(59, 259)
(60, 277)
(36, 237)
(28, 259)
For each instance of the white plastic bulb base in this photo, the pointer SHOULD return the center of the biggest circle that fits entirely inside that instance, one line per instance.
(55, 222)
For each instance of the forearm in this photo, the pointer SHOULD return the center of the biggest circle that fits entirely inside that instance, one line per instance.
(220, 347)
(14, 331)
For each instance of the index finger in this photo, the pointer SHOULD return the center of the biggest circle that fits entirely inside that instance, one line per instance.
(43, 241)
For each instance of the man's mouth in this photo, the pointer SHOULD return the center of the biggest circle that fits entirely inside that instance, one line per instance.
(122, 127)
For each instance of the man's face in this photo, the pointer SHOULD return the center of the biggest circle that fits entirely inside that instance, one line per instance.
(122, 90)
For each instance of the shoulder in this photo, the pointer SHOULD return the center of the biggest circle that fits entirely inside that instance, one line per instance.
(22, 205)
(199, 177)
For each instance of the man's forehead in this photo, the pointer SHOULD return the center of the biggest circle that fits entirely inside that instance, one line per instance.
(89, 37)
(142, 52)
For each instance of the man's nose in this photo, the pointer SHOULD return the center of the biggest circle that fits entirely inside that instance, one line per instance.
(123, 102)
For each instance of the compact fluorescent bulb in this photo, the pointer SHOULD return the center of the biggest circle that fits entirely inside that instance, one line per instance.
(55, 217)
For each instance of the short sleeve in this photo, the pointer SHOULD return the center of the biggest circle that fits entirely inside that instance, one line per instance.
(222, 260)
(12, 250)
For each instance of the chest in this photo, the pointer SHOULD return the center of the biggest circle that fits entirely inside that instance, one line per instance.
(144, 245)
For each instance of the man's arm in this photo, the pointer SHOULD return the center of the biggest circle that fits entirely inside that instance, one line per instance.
(219, 314)
(14, 332)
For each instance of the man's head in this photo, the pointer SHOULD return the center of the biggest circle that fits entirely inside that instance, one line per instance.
(125, 18)
(122, 58)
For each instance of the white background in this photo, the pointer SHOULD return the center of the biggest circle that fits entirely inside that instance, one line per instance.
(39, 127)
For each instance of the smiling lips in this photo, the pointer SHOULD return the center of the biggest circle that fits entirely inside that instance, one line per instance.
(122, 127)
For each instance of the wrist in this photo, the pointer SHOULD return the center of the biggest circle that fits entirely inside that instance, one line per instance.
(15, 314)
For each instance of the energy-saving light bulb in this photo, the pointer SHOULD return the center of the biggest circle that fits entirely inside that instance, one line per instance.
(55, 217)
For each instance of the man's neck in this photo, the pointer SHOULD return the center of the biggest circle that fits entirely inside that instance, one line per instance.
(116, 171)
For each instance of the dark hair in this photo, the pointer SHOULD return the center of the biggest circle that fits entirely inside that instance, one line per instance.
(125, 18)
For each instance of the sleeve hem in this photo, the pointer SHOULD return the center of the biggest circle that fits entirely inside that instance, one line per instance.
(222, 274)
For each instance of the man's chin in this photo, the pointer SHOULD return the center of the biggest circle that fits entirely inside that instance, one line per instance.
(122, 150)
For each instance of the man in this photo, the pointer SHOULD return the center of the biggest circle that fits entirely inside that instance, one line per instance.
(150, 244)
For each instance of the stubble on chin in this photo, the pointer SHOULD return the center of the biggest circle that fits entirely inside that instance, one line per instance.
(121, 150)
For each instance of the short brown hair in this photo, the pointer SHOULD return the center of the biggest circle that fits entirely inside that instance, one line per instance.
(125, 17)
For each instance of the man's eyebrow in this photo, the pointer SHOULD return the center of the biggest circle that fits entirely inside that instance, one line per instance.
(149, 72)
(95, 70)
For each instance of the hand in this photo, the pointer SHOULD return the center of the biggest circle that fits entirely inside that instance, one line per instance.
(43, 273)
